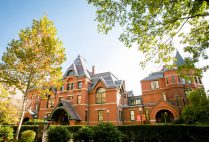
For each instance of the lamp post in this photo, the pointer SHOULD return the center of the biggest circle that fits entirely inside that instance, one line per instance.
(108, 111)
(140, 112)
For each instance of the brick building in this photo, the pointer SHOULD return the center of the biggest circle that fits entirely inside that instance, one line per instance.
(87, 98)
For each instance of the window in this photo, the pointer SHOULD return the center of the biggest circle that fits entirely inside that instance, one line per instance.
(69, 97)
(79, 85)
(50, 102)
(164, 96)
(154, 84)
(78, 99)
(60, 98)
(195, 79)
(70, 72)
(132, 116)
(167, 80)
(120, 115)
(86, 115)
(100, 96)
(100, 115)
(36, 107)
(62, 88)
(131, 102)
(173, 79)
(137, 102)
(147, 114)
(183, 81)
(70, 86)
(200, 81)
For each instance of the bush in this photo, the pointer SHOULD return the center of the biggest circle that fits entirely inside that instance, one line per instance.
(34, 122)
(84, 133)
(28, 136)
(6, 133)
(106, 132)
(59, 134)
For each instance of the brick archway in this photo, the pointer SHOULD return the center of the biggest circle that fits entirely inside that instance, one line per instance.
(163, 105)
(164, 116)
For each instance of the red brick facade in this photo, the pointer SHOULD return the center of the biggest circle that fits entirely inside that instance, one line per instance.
(87, 98)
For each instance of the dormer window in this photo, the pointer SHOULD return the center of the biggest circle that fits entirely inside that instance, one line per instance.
(154, 85)
(70, 72)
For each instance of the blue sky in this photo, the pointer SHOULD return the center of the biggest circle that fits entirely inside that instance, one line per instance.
(74, 20)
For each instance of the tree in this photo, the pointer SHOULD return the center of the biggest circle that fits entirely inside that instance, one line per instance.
(153, 25)
(197, 110)
(7, 109)
(33, 61)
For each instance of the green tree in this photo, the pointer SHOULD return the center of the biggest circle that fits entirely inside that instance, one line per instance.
(153, 24)
(7, 109)
(33, 61)
(197, 110)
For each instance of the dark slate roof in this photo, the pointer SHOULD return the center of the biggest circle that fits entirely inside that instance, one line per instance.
(66, 105)
(108, 79)
(179, 60)
(154, 76)
(130, 93)
(70, 110)
(80, 68)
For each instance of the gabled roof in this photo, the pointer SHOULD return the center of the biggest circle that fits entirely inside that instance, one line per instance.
(108, 79)
(154, 76)
(179, 60)
(80, 68)
(66, 105)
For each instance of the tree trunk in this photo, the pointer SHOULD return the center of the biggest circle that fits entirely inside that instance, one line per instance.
(21, 120)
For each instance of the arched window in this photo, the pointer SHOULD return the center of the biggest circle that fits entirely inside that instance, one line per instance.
(100, 96)
(70, 72)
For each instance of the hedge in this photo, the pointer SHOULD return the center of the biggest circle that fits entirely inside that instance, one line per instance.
(149, 133)
(165, 133)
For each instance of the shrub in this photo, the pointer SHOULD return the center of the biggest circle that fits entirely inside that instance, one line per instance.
(84, 133)
(106, 132)
(28, 136)
(6, 133)
(59, 134)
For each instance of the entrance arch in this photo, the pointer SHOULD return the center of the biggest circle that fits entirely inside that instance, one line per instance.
(60, 116)
(164, 116)
(26, 119)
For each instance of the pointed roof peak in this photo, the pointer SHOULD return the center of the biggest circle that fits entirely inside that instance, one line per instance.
(79, 66)
(179, 59)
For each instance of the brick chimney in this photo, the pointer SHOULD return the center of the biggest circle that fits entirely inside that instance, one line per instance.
(93, 69)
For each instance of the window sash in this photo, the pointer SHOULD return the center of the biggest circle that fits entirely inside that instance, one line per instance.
(78, 99)
(132, 116)
(100, 115)
(100, 98)
(79, 85)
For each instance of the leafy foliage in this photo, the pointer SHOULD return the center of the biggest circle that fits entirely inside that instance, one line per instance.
(154, 24)
(60, 133)
(28, 136)
(197, 110)
(33, 61)
(164, 133)
(84, 133)
(106, 132)
(6, 133)
(7, 110)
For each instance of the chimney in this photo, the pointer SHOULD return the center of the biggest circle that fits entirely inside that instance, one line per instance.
(93, 69)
